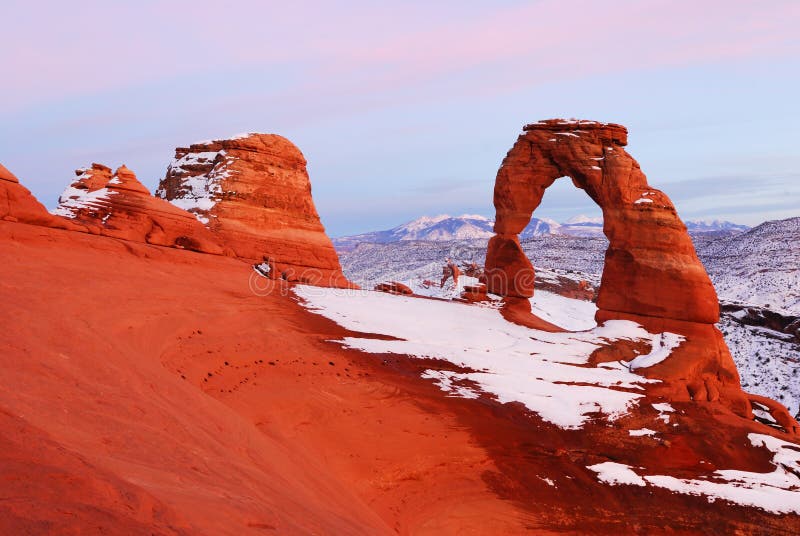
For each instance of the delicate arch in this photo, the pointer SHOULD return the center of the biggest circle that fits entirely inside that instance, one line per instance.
(651, 267)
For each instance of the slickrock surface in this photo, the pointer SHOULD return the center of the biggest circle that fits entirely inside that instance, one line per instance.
(161, 395)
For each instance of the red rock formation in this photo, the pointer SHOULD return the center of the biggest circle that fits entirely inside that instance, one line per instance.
(118, 205)
(449, 270)
(651, 267)
(18, 205)
(651, 275)
(475, 293)
(394, 287)
(254, 191)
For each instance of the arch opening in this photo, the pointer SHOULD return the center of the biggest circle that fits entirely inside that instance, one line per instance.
(565, 242)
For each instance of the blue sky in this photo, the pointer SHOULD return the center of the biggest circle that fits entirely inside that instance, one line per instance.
(409, 110)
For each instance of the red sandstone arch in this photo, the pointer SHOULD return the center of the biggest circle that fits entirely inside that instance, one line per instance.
(651, 267)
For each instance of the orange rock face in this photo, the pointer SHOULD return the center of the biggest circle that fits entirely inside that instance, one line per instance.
(18, 205)
(254, 191)
(118, 205)
(651, 275)
(651, 267)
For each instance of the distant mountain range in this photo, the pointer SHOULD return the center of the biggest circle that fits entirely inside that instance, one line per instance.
(472, 226)
(709, 226)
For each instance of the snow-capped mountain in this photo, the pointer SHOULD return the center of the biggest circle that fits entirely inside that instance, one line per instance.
(444, 228)
(582, 225)
(441, 228)
(540, 227)
(710, 226)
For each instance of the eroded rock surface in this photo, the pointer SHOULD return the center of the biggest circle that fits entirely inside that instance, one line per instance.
(116, 204)
(254, 191)
(17, 204)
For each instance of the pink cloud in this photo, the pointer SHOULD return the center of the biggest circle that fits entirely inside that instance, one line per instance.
(97, 46)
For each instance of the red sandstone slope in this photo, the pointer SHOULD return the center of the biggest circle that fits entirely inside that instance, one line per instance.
(254, 191)
(82, 375)
(170, 396)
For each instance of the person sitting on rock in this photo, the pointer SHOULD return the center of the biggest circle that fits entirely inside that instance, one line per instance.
(265, 267)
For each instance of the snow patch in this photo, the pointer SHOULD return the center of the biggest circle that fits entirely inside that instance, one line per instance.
(662, 346)
(544, 371)
(547, 481)
(445, 382)
(567, 313)
(663, 409)
(74, 199)
(777, 491)
(199, 194)
(614, 473)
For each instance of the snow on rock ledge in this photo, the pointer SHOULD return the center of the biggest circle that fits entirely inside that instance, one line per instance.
(118, 205)
(548, 374)
(777, 491)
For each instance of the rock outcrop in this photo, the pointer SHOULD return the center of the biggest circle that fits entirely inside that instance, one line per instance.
(475, 293)
(651, 267)
(394, 287)
(651, 275)
(118, 205)
(17, 204)
(254, 192)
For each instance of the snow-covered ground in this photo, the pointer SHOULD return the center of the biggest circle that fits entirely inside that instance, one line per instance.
(760, 266)
(546, 372)
(574, 315)
(776, 492)
(508, 361)
(769, 364)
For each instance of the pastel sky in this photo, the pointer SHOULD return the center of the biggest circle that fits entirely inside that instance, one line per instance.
(407, 108)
